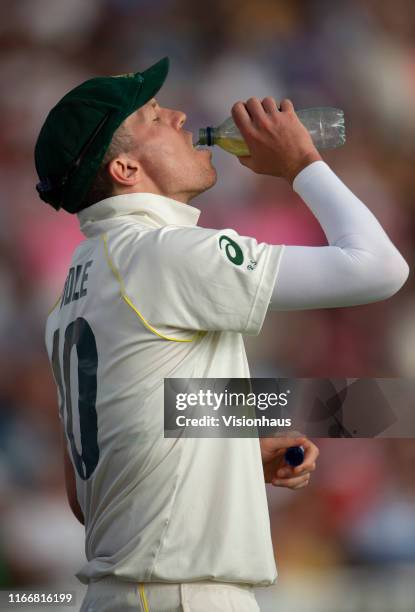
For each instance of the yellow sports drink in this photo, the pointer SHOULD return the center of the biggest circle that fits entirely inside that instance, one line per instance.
(325, 124)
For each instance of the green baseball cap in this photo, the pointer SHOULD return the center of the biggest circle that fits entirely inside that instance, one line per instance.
(78, 130)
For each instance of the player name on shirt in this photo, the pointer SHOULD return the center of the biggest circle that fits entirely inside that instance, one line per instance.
(75, 284)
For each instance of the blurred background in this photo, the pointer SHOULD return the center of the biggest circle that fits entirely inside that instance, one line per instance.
(347, 542)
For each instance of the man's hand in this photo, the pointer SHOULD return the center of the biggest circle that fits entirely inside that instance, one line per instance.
(278, 142)
(276, 469)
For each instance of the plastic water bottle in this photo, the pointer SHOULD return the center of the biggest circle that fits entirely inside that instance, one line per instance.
(325, 124)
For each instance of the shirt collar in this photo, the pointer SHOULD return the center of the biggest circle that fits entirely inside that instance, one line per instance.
(150, 209)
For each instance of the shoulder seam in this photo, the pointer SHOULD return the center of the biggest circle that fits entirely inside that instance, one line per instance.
(54, 306)
(129, 302)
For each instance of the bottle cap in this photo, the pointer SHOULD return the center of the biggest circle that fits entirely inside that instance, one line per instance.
(294, 456)
(206, 136)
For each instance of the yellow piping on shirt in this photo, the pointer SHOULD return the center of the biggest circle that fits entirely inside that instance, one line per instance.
(54, 306)
(131, 305)
(144, 599)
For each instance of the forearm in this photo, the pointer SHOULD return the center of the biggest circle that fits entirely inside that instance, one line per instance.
(360, 265)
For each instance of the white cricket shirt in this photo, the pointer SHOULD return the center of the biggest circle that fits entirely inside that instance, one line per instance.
(149, 295)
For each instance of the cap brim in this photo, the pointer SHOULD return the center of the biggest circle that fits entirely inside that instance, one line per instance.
(154, 78)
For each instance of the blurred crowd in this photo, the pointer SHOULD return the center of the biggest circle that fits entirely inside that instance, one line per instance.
(357, 55)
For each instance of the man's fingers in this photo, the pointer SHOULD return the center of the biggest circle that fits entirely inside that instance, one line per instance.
(286, 105)
(296, 442)
(270, 105)
(304, 468)
(309, 446)
(292, 483)
(241, 116)
(311, 453)
(256, 112)
(302, 484)
(300, 470)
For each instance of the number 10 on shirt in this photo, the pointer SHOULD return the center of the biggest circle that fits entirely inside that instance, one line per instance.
(79, 335)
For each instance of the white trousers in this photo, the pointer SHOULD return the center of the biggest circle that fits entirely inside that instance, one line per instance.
(112, 595)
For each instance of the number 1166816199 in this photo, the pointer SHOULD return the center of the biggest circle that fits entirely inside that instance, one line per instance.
(20, 598)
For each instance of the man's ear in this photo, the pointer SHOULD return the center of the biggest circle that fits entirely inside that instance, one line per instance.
(125, 170)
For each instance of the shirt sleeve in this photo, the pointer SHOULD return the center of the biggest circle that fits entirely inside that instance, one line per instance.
(203, 279)
(359, 266)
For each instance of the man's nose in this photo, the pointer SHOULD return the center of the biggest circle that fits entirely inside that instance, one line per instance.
(179, 119)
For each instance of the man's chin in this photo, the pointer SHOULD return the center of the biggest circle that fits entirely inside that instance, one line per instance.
(208, 184)
(213, 178)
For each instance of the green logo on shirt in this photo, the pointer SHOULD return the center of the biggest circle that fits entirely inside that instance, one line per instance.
(233, 251)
